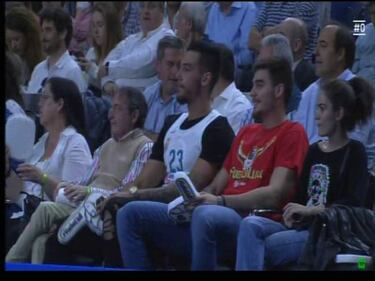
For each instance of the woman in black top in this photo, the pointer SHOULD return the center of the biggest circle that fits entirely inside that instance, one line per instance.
(335, 171)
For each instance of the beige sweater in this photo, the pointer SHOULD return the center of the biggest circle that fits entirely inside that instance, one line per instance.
(116, 158)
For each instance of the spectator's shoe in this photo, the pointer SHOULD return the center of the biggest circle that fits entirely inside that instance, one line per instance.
(181, 209)
(85, 214)
(185, 186)
(92, 218)
(72, 225)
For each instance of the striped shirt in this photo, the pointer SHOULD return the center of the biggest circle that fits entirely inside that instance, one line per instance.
(273, 13)
(130, 20)
(134, 171)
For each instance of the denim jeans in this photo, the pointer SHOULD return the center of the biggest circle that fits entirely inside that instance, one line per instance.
(266, 243)
(211, 234)
(214, 233)
(139, 221)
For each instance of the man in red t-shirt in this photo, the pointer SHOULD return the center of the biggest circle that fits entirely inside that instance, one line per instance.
(260, 171)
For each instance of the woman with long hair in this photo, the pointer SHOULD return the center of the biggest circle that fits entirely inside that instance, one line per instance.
(106, 33)
(23, 37)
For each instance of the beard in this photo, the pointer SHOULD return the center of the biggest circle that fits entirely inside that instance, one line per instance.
(181, 96)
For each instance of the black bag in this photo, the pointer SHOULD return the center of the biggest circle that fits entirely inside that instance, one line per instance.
(31, 202)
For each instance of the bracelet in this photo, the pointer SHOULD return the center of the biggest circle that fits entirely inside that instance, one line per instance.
(44, 179)
(88, 190)
(221, 201)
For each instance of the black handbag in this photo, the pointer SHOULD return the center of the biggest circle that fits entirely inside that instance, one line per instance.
(31, 202)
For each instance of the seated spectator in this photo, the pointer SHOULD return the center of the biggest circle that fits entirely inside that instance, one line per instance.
(334, 58)
(105, 33)
(161, 97)
(62, 152)
(132, 61)
(334, 172)
(364, 63)
(195, 142)
(81, 29)
(23, 37)
(56, 35)
(129, 17)
(235, 20)
(260, 171)
(273, 13)
(190, 22)
(226, 98)
(296, 31)
(117, 162)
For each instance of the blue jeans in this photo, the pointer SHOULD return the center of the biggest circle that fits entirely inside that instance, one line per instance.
(214, 233)
(211, 234)
(265, 243)
(138, 221)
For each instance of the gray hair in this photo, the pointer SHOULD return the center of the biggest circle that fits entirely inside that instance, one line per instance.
(280, 46)
(196, 12)
(168, 42)
(136, 101)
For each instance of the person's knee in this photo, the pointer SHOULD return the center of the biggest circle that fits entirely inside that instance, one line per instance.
(204, 215)
(127, 212)
(252, 224)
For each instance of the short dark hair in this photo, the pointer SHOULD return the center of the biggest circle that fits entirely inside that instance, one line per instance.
(209, 58)
(61, 20)
(280, 73)
(344, 39)
(226, 62)
(355, 96)
(68, 91)
(168, 42)
(136, 101)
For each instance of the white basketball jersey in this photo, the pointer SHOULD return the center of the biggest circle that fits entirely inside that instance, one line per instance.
(183, 147)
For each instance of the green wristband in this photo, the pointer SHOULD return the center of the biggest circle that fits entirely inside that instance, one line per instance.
(44, 179)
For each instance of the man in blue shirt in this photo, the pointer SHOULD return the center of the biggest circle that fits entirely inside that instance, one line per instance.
(230, 23)
(334, 57)
(160, 97)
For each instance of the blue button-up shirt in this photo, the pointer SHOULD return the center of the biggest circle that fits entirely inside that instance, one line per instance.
(158, 109)
(233, 29)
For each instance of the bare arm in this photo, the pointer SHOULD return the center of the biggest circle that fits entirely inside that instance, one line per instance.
(152, 174)
(281, 184)
(219, 183)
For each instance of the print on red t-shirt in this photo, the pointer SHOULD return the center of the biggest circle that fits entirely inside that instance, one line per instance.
(257, 151)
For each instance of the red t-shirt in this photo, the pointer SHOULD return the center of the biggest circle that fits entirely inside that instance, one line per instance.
(257, 151)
